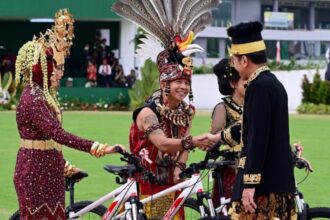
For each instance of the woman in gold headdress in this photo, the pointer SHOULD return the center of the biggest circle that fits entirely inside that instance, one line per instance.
(40, 167)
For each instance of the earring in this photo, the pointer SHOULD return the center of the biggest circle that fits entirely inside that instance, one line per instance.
(191, 96)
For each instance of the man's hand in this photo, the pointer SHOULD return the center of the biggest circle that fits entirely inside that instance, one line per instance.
(213, 138)
(248, 201)
(203, 142)
(176, 177)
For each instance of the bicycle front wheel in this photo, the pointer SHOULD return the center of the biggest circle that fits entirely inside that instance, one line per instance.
(191, 209)
(318, 213)
(95, 213)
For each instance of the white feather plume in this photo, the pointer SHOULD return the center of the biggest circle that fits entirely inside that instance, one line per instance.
(150, 47)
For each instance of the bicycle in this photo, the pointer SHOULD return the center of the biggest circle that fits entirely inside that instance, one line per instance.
(127, 193)
(70, 182)
(191, 186)
(217, 167)
(304, 212)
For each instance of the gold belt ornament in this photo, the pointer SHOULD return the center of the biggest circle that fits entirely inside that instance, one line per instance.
(40, 144)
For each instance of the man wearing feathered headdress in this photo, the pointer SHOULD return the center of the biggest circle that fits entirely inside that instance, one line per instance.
(161, 128)
(40, 167)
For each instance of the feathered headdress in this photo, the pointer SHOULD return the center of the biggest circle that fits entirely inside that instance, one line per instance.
(171, 25)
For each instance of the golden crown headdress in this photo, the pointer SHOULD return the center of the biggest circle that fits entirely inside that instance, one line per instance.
(55, 42)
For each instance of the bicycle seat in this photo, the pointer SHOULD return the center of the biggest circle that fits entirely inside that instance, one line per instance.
(119, 169)
(76, 177)
(219, 164)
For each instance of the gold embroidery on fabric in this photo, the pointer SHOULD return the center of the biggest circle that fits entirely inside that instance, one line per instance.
(256, 74)
(252, 178)
(272, 207)
(241, 163)
(229, 102)
(157, 208)
(234, 114)
(46, 205)
(228, 138)
(237, 148)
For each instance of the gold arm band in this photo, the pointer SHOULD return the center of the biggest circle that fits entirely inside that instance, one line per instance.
(241, 49)
(40, 144)
(98, 150)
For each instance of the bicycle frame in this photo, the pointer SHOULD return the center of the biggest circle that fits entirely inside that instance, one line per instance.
(191, 186)
(223, 206)
(122, 194)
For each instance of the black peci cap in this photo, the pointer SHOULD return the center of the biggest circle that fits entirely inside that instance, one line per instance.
(246, 38)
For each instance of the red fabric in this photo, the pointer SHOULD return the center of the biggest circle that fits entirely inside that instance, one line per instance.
(91, 73)
(137, 141)
(228, 180)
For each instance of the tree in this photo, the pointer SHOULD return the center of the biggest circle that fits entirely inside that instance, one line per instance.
(324, 93)
(306, 87)
(315, 87)
(144, 88)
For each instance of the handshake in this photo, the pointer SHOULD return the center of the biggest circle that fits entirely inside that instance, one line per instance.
(99, 150)
(231, 136)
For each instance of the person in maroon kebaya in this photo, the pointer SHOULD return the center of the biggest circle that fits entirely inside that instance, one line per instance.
(40, 168)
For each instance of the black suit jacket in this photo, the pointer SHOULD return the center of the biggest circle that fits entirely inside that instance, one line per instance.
(266, 162)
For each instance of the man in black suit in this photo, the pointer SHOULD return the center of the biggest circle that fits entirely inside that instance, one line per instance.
(265, 183)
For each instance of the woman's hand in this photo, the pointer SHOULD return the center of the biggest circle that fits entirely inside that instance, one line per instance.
(99, 150)
(113, 149)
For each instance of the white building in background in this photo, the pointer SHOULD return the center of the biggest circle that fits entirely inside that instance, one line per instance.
(206, 84)
(306, 38)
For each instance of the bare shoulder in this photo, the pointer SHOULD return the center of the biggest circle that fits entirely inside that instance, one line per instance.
(146, 118)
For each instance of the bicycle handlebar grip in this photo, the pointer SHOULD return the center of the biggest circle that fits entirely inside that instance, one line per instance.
(118, 149)
(186, 173)
(182, 175)
(213, 152)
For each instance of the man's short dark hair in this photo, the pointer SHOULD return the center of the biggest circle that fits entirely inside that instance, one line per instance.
(258, 57)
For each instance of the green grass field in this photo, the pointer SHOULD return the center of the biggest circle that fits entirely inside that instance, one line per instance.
(312, 131)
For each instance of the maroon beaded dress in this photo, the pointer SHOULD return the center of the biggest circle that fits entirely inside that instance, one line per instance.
(39, 174)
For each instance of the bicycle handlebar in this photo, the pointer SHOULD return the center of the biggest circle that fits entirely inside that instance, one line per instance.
(298, 160)
(134, 160)
(212, 153)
